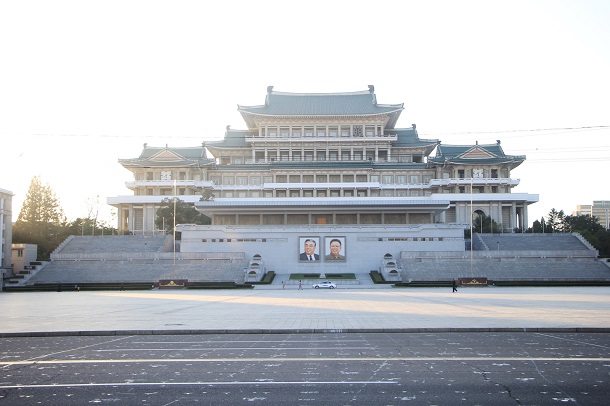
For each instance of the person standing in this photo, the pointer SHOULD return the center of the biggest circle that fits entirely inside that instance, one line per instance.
(454, 284)
(283, 285)
(300, 285)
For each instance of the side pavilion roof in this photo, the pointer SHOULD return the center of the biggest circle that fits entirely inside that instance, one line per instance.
(490, 154)
(282, 104)
(169, 157)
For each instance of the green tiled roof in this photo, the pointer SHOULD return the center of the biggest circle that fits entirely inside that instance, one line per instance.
(474, 154)
(169, 157)
(321, 104)
(405, 137)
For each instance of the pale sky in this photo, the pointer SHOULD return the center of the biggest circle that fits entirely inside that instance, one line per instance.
(84, 83)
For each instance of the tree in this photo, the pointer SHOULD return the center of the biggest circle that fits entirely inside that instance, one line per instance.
(41, 220)
(186, 213)
(574, 224)
(555, 221)
(485, 224)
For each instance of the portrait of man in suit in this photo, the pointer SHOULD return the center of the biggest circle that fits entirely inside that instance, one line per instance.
(310, 248)
(336, 249)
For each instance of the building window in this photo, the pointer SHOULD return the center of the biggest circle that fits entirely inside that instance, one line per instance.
(256, 180)
(401, 179)
(357, 131)
(374, 178)
(242, 180)
(388, 179)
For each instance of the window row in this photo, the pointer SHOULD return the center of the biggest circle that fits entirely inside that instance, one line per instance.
(321, 131)
(386, 179)
(298, 193)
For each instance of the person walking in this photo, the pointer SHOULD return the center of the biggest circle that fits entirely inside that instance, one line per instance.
(283, 285)
(300, 285)
(454, 284)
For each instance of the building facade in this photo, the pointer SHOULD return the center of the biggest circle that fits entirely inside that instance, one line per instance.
(333, 162)
(6, 230)
(313, 158)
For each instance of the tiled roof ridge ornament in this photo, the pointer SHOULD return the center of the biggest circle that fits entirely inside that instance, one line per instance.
(372, 91)
(269, 91)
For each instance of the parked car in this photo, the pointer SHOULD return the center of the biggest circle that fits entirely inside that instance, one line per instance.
(325, 284)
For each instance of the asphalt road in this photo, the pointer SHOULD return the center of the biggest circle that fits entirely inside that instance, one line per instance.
(519, 368)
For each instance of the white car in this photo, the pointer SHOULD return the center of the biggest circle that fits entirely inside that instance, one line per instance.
(325, 284)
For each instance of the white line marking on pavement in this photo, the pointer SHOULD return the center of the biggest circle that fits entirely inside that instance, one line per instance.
(73, 385)
(317, 359)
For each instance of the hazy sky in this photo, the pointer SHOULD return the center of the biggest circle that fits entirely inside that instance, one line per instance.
(84, 83)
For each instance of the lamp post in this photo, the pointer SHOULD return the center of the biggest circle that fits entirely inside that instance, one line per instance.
(174, 229)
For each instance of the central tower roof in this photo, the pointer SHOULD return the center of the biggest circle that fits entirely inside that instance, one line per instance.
(282, 104)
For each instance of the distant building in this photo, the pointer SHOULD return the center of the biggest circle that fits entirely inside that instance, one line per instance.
(23, 255)
(599, 209)
(583, 210)
(6, 230)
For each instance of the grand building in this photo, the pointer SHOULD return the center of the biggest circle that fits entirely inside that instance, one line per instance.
(325, 168)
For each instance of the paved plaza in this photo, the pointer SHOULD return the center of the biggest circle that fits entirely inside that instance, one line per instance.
(307, 310)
